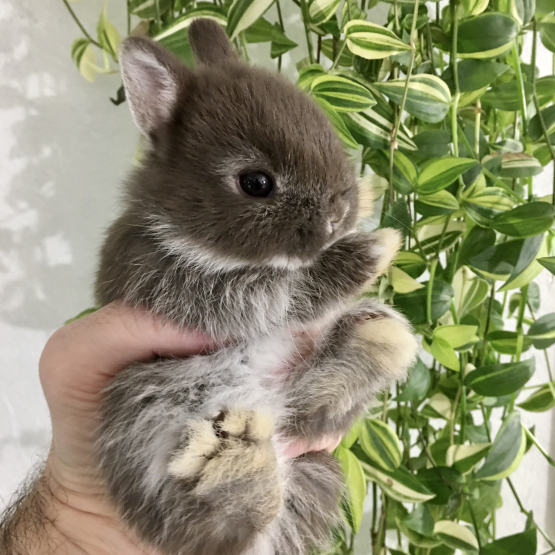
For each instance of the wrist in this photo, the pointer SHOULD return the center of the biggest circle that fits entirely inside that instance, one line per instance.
(52, 519)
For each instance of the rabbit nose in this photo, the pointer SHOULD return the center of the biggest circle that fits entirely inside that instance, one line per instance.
(336, 220)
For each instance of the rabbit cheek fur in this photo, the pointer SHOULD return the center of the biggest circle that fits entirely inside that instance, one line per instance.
(193, 450)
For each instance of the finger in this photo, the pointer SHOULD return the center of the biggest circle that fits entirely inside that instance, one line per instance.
(83, 356)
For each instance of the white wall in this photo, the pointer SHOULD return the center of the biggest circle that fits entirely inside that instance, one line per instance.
(64, 148)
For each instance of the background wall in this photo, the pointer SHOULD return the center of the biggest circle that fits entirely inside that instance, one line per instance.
(64, 148)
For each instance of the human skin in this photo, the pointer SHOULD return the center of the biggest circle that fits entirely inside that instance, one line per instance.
(67, 511)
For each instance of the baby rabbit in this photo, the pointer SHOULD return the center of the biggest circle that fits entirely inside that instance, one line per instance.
(239, 223)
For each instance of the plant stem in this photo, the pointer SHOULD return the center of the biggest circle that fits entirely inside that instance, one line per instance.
(336, 59)
(537, 102)
(430, 290)
(463, 399)
(527, 513)
(500, 183)
(128, 18)
(520, 82)
(245, 49)
(521, 310)
(407, 82)
(477, 129)
(304, 8)
(473, 517)
(488, 320)
(454, 107)
(83, 30)
(280, 18)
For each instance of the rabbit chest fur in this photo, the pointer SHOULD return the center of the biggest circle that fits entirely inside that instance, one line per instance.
(239, 223)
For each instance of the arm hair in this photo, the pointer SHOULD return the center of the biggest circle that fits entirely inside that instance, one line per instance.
(25, 527)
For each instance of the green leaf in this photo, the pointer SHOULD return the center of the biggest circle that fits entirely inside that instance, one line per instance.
(439, 406)
(526, 268)
(411, 262)
(345, 59)
(400, 484)
(477, 241)
(474, 295)
(338, 124)
(535, 130)
(402, 282)
(457, 336)
(108, 36)
(526, 220)
(321, 10)
(308, 74)
(372, 128)
(541, 400)
(506, 452)
(175, 37)
(548, 262)
(442, 480)
(547, 32)
(413, 305)
(83, 57)
(432, 143)
(381, 444)
(507, 145)
(517, 165)
(281, 43)
(483, 204)
(398, 217)
(521, 10)
(506, 342)
(418, 384)
(455, 535)
(542, 331)
(506, 96)
(428, 97)
(441, 172)
(418, 526)
(85, 312)
(499, 261)
(356, 484)
(260, 31)
(148, 9)
(474, 74)
(487, 35)
(545, 88)
(524, 543)
(465, 457)
(405, 171)
(494, 380)
(372, 41)
(352, 435)
(435, 204)
(444, 353)
(474, 7)
(243, 13)
(344, 95)
(420, 520)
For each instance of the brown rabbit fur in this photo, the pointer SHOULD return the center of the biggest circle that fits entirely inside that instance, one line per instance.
(193, 450)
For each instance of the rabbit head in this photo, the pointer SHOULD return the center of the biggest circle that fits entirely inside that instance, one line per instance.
(241, 165)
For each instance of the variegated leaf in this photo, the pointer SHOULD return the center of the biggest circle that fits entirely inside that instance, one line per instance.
(372, 41)
(243, 13)
(343, 94)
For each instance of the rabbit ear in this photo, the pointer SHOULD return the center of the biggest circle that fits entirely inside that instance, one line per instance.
(152, 78)
(210, 43)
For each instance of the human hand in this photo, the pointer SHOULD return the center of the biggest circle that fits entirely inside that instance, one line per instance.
(76, 365)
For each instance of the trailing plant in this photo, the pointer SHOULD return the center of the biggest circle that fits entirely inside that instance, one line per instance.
(450, 125)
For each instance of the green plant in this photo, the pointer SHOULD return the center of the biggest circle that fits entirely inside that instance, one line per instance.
(454, 125)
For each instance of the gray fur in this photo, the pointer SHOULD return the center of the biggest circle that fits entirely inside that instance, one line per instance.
(273, 278)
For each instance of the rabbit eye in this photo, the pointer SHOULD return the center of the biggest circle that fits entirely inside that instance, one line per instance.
(256, 184)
